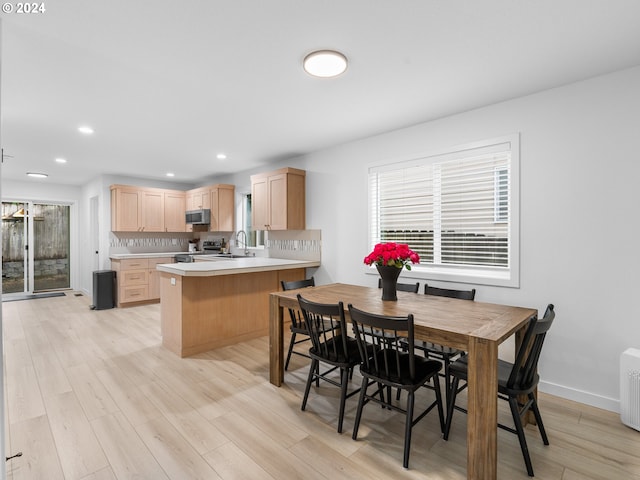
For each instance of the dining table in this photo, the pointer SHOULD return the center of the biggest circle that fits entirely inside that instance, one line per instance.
(477, 328)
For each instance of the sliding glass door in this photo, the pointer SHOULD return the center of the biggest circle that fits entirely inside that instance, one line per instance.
(35, 247)
(14, 248)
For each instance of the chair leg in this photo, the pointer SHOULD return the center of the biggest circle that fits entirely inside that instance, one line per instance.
(447, 378)
(312, 369)
(382, 400)
(436, 387)
(517, 420)
(344, 381)
(407, 427)
(450, 407)
(363, 392)
(536, 413)
(291, 344)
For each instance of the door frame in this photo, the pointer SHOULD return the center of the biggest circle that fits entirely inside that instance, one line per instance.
(73, 226)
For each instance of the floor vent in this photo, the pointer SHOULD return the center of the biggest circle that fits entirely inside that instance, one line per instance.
(630, 388)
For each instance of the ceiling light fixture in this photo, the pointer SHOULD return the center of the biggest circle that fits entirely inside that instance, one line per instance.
(85, 130)
(61, 160)
(325, 63)
(171, 174)
(37, 175)
(221, 156)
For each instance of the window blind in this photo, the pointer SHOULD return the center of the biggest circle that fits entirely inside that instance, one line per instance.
(452, 209)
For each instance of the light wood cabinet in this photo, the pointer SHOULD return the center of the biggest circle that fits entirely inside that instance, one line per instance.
(126, 204)
(195, 200)
(152, 210)
(198, 198)
(220, 199)
(138, 280)
(222, 208)
(174, 208)
(278, 200)
(138, 209)
(194, 320)
(154, 276)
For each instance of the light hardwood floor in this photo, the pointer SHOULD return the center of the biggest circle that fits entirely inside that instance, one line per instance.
(93, 395)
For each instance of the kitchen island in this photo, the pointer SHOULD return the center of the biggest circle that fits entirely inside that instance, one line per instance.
(216, 301)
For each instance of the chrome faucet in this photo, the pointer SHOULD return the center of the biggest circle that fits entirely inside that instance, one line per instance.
(246, 247)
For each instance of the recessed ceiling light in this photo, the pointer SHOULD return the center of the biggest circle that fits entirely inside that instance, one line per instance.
(85, 129)
(221, 156)
(170, 174)
(61, 160)
(325, 63)
(37, 175)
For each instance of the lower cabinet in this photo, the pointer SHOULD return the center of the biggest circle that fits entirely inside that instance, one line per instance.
(138, 280)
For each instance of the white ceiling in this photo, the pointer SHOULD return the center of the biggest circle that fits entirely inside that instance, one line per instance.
(168, 84)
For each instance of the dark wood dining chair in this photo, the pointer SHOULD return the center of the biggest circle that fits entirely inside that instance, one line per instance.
(297, 326)
(331, 345)
(515, 380)
(442, 352)
(387, 363)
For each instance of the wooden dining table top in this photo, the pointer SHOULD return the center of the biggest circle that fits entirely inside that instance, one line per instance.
(444, 320)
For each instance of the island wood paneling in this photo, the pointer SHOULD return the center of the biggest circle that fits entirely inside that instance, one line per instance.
(202, 313)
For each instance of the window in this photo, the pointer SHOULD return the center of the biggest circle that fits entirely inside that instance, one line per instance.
(456, 209)
(255, 238)
(501, 195)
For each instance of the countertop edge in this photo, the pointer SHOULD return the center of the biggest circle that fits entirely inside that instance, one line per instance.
(173, 268)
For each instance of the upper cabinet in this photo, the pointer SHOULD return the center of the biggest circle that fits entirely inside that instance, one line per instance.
(126, 208)
(220, 199)
(174, 208)
(141, 209)
(152, 203)
(278, 200)
(222, 208)
(195, 200)
(198, 198)
(136, 209)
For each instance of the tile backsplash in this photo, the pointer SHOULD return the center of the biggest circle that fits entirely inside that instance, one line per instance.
(294, 244)
(143, 243)
(288, 244)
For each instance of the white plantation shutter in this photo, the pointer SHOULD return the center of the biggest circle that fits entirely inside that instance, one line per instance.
(454, 209)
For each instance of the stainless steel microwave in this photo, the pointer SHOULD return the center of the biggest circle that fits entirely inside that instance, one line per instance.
(198, 217)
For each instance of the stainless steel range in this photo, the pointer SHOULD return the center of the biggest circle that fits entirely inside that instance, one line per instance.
(209, 247)
(212, 246)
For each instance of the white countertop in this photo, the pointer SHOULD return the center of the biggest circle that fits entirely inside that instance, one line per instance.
(208, 266)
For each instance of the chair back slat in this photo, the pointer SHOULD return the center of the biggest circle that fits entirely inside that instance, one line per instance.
(524, 371)
(381, 343)
(404, 287)
(326, 326)
(450, 293)
(296, 316)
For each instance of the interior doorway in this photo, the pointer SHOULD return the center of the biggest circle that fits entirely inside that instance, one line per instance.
(35, 247)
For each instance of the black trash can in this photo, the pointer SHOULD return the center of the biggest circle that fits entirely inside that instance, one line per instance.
(104, 289)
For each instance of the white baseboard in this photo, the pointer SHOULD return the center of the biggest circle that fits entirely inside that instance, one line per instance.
(588, 398)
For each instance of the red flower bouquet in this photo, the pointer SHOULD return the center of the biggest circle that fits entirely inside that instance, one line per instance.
(392, 255)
